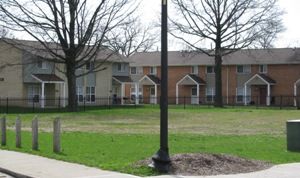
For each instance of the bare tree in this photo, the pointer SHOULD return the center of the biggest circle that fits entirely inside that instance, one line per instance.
(230, 25)
(71, 32)
(132, 37)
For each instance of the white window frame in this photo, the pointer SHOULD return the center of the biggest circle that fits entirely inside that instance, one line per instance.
(195, 70)
(32, 91)
(89, 94)
(153, 70)
(246, 69)
(121, 67)
(240, 94)
(263, 68)
(131, 70)
(42, 64)
(210, 94)
(79, 93)
(213, 70)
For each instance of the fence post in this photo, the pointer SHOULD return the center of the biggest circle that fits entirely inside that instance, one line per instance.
(32, 105)
(3, 131)
(35, 132)
(18, 132)
(184, 102)
(56, 135)
(7, 105)
(280, 101)
(84, 104)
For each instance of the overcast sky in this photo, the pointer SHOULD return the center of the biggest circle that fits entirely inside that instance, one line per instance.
(291, 19)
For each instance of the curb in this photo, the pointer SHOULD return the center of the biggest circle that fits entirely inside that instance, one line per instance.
(13, 174)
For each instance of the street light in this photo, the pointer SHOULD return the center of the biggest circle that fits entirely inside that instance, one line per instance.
(161, 160)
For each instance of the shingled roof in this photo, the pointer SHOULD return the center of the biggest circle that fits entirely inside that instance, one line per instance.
(242, 57)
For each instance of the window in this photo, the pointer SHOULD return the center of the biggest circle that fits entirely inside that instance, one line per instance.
(263, 69)
(42, 64)
(210, 94)
(240, 94)
(121, 67)
(210, 69)
(153, 70)
(33, 93)
(194, 70)
(136, 70)
(133, 70)
(79, 94)
(89, 66)
(243, 69)
(90, 94)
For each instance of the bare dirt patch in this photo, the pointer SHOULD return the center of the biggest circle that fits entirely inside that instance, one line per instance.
(211, 164)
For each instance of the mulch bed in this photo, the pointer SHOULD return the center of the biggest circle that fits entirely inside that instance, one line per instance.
(211, 164)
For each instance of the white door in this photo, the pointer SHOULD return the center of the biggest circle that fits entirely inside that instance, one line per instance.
(194, 97)
(152, 96)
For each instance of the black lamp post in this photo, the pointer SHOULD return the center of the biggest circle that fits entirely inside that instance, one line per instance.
(161, 160)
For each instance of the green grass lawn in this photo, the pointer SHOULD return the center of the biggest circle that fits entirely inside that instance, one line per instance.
(116, 139)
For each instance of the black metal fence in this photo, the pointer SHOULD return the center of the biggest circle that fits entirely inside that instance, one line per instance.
(27, 105)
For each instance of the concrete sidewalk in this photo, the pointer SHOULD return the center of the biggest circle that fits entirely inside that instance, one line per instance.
(40, 167)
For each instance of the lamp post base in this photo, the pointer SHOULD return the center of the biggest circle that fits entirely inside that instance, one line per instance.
(161, 161)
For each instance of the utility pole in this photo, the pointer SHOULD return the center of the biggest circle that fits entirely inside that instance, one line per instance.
(161, 160)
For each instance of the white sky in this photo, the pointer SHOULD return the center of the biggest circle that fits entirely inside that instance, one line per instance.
(291, 19)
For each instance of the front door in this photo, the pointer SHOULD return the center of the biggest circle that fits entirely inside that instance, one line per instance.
(194, 97)
(263, 95)
(152, 95)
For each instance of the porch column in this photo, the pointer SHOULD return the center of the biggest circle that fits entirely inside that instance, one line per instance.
(64, 95)
(269, 95)
(122, 93)
(177, 93)
(295, 94)
(198, 87)
(137, 92)
(155, 94)
(245, 94)
(43, 95)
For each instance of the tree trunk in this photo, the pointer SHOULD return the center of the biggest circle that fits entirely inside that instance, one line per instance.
(218, 80)
(72, 101)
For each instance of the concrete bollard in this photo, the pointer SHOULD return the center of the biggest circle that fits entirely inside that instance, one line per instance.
(3, 131)
(293, 135)
(35, 132)
(18, 132)
(56, 136)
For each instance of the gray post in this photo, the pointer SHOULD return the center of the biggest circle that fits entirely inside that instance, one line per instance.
(3, 131)
(56, 135)
(18, 132)
(35, 132)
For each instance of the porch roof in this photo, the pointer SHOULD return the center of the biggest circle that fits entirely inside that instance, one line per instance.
(191, 79)
(122, 79)
(47, 78)
(260, 79)
(149, 80)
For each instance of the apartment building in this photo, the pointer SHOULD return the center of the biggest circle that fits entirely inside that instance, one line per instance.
(26, 75)
(254, 76)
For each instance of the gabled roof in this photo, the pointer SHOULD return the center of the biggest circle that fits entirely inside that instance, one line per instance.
(242, 57)
(194, 79)
(260, 78)
(37, 49)
(122, 79)
(152, 78)
(47, 78)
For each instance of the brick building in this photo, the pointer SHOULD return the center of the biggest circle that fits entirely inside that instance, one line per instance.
(255, 76)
